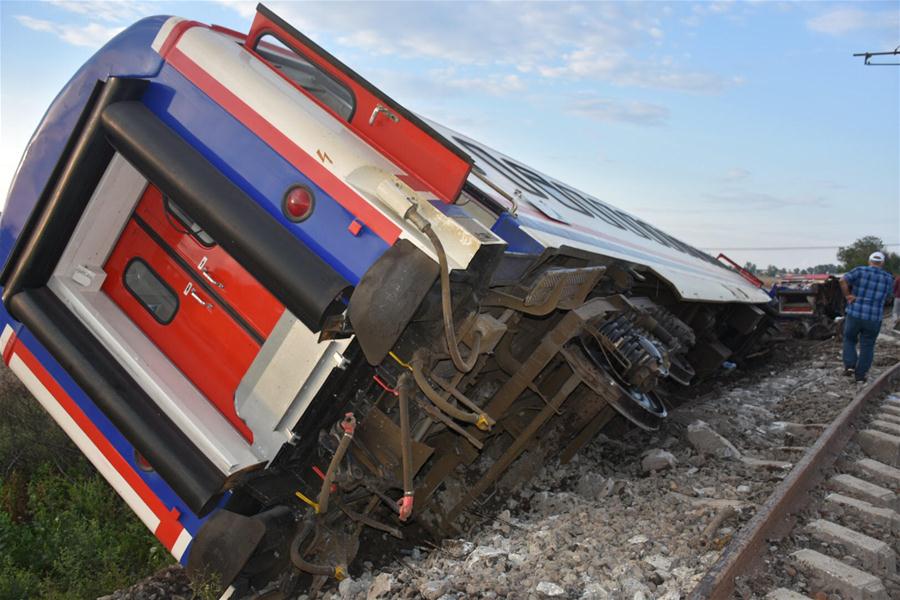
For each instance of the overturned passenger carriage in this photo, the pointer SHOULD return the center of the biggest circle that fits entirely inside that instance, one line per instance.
(277, 310)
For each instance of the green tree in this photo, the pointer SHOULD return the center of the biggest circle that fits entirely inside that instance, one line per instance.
(772, 271)
(857, 254)
(751, 267)
(828, 269)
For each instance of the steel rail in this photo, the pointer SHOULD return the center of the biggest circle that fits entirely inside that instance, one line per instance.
(745, 550)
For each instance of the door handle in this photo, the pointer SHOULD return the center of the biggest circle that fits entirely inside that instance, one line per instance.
(189, 291)
(206, 275)
(382, 109)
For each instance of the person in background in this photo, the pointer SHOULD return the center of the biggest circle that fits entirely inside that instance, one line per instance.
(895, 313)
(866, 290)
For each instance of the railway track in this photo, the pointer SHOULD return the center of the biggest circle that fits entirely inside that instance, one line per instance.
(838, 511)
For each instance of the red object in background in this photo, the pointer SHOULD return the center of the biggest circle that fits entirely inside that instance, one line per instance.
(232, 282)
(742, 271)
(198, 336)
(813, 277)
(798, 309)
(432, 163)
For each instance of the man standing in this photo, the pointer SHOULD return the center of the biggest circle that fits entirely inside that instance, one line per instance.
(865, 307)
(895, 313)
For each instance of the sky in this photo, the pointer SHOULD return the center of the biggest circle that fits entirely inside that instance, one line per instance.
(747, 127)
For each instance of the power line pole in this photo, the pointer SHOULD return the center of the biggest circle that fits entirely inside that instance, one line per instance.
(869, 55)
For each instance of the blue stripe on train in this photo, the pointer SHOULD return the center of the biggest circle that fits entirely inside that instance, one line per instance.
(509, 229)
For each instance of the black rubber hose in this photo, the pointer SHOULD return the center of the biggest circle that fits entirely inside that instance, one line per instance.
(348, 424)
(308, 567)
(440, 402)
(447, 308)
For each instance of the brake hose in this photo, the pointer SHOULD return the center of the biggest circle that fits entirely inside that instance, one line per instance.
(447, 308)
(348, 425)
(406, 503)
(482, 421)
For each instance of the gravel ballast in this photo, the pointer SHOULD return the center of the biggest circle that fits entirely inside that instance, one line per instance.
(644, 515)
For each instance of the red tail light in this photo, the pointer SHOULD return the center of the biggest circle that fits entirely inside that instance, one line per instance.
(299, 202)
(142, 463)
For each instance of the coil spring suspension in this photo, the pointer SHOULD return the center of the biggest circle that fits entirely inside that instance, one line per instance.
(633, 354)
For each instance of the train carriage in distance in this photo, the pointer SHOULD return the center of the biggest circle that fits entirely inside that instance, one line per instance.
(279, 312)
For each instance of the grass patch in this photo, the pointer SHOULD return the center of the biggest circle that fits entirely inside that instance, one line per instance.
(64, 532)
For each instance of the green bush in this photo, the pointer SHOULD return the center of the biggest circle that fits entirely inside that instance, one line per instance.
(79, 540)
(64, 532)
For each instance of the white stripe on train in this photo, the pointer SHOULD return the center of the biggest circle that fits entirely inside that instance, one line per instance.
(59, 414)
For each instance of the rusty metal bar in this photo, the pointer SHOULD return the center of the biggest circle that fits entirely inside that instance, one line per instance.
(604, 415)
(749, 545)
(568, 327)
(517, 447)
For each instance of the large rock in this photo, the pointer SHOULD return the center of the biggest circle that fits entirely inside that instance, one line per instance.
(657, 459)
(594, 591)
(351, 588)
(381, 587)
(591, 485)
(434, 589)
(550, 589)
(705, 439)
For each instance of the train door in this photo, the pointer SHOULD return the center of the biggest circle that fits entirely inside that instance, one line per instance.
(192, 300)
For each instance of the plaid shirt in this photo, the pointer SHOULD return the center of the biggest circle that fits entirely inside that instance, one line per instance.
(871, 286)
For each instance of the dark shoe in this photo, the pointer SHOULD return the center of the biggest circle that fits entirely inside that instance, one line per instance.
(861, 380)
(849, 371)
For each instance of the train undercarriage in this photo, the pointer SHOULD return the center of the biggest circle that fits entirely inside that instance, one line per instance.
(408, 438)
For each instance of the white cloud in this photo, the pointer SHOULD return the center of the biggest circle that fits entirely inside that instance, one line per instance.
(841, 21)
(115, 11)
(493, 85)
(657, 76)
(617, 111)
(604, 41)
(244, 8)
(619, 68)
(735, 174)
(720, 7)
(91, 35)
(441, 84)
(753, 201)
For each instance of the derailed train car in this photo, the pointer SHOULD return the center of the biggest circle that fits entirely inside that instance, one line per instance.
(277, 310)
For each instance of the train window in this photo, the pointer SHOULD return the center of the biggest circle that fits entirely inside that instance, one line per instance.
(322, 86)
(151, 291)
(187, 224)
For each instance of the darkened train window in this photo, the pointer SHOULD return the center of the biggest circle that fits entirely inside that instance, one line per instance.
(188, 225)
(311, 78)
(150, 290)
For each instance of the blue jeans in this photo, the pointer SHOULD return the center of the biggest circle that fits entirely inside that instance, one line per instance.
(864, 332)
